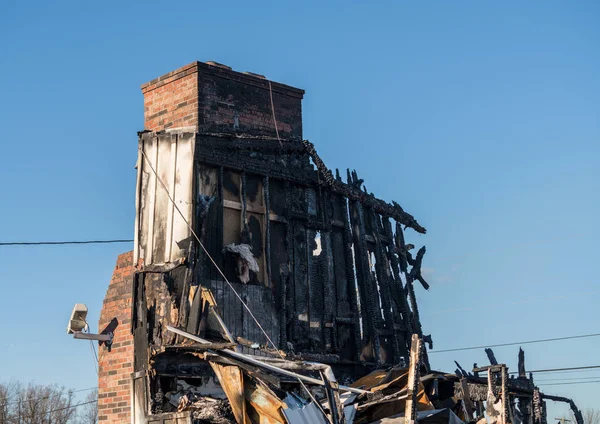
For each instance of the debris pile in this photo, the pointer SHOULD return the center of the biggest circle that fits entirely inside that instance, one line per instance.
(269, 388)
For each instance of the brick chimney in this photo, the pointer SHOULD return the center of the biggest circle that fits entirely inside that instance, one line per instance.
(209, 98)
(212, 98)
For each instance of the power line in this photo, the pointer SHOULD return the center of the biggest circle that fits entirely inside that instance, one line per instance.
(569, 378)
(566, 372)
(589, 367)
(515, 343)
(45, 397)
(53, 243)
(564, 384)
(72, 406)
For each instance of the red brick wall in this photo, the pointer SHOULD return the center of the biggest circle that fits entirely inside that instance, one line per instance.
(215, 99)
(172, 100)
(115, 367)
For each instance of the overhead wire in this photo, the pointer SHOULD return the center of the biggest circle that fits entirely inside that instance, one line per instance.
(53, 243)
(72, 406)
(568, 379)
(565, 384)
(223, 275)
(46, 397)
(587, 367)
(515, 343)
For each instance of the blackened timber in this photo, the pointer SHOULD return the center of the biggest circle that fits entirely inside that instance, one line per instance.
(409, 285)
(315, 292)
(522, 373)
(576, 411)
(301, 325)
(351, 278)
(383, 280)
(220, 224)
(467, 399)
(490, 354)
(397, 288)
(394, 210)
(245, 230)
(415, 271)
(329, 324)
(401, 249)
(266, 199)
(369, 309)
(288, 291)
(258, 157)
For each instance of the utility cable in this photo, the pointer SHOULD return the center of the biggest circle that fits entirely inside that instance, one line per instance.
(72, 406)
(45, 397)
(568, 379)
(564, 384)
(588, 367)
(515, 343)
(52, 243)
(224, 277)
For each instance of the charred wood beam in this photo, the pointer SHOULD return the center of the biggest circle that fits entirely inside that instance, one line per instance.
(368, 292)
(403, 255)
(576, 411)
(219, 152)
(506, 403)
(490, 354)
(287, 311)
(461, 371)
(351, 278)
(267, 202)
(522, 372)
(469, 407)
(354, 193)
(383, 278)
(220, 223)
(398, 289)
(539, 408)
(415, 272)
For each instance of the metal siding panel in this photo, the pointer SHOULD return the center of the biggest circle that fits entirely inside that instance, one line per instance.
(138, 185)
(170, 183)
(183, 195)
(160, 229)
(163, 203)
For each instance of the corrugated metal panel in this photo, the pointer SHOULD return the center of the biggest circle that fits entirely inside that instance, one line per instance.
(161, 234)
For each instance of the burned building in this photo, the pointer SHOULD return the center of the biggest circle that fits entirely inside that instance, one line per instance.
(247, 246)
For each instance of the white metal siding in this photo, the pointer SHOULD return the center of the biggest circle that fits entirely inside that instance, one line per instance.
(161, 234)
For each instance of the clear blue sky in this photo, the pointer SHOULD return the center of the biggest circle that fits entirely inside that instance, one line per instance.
(480, 118)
